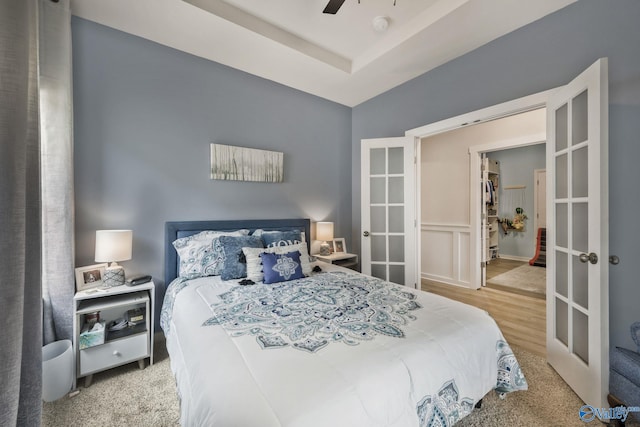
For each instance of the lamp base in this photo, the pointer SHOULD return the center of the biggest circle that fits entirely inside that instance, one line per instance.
(325, 249)
(113, 276)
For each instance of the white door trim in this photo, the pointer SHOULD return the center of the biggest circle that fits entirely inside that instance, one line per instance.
(536, 195)
(509, 108)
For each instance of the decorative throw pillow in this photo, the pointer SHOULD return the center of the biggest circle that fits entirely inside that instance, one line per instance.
(198, 255)
(281, 267)
(234, 264)
(254, 262)
(279, 238)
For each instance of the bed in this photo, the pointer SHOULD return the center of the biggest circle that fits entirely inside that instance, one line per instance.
(331, 347)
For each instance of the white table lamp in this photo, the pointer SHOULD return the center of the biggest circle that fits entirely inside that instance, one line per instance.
(113, 246)
(324, 232)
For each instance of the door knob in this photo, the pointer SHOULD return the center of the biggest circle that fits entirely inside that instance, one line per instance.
(592, 258)
(365, 234)
(613, 259)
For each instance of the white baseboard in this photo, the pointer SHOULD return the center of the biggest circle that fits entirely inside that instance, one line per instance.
(447, 280)
(514, 258)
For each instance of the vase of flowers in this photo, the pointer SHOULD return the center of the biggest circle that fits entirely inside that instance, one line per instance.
(516, 223)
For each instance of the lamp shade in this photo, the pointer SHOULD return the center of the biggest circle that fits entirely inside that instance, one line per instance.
(113, 245)
(324, 231)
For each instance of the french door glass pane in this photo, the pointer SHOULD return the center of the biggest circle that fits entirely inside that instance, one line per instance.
(396, 248)
(378, 248)
(396, 189)
(579, 119)
(562, 322)
(561, 177)
(396, 160)
(377, 161)
(562, 274)
(580, 282)
(581, 335)
(378, 219)
(580, 220)
(396, 274)
(377, 191)
(561, 128)
(580, 173)
(396, 219)
(379, 271)
(562, 225)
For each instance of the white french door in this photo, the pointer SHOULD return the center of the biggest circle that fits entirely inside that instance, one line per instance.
(388, 207)
(577, 237)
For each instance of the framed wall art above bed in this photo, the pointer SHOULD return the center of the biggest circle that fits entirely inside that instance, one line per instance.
(233, 163)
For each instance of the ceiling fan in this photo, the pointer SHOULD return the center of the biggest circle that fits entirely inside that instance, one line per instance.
(334, 5)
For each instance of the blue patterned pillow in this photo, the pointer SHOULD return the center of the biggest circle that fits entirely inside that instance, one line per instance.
(281, 267)
(279, 238)
(234, 264)
(199, 253)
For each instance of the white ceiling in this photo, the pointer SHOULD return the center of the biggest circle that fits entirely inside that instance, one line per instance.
(338, 57)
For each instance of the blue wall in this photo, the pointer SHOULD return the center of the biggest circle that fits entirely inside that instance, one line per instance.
(516, 168)
(144, 116)
(545, 54)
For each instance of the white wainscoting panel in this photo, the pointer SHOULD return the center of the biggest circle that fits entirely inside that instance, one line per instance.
(446, 253)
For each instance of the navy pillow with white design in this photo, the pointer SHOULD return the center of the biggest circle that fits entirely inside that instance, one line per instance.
(281, 267)
(234, 265)
(281, 238)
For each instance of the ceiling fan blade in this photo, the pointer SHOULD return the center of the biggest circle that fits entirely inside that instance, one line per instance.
(333, 6)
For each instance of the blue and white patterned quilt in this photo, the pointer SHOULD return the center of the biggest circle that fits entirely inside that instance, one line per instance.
(336, 348)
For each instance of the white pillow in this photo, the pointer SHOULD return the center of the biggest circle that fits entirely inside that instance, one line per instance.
(199, 255)
(280, 237)
(254, 263)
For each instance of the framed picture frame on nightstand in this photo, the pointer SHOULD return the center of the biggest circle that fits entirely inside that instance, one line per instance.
(339, 245)
(90, 276)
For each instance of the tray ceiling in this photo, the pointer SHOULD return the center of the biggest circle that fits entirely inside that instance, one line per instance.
(339, 57)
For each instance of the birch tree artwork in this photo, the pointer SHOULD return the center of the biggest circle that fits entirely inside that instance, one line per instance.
(245, 164)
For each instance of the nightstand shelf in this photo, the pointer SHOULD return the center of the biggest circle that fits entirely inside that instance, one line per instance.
(133, 342)
(342, 259)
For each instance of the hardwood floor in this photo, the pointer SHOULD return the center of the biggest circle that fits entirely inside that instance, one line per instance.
(522, 319)
(501, 265)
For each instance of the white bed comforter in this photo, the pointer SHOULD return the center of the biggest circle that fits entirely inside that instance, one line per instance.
(335, 349)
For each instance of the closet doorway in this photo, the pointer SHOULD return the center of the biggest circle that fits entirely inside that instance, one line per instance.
(449, 173)
(515, 238)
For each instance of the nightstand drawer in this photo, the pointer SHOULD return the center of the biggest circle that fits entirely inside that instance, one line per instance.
(113, 353)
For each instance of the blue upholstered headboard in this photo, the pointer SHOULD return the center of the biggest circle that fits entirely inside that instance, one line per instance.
(176, 229)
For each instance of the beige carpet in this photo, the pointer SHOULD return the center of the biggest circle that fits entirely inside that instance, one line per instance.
(128, 396)
(123, 396)
(527, 278)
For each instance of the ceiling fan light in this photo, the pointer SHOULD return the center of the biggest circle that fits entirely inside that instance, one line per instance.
(380, 24)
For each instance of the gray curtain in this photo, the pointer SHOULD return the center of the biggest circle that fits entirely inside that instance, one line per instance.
(56, 139)
(20, 210)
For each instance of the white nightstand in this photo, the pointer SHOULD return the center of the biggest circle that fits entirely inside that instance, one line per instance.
(342, 259)
(133, 343)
